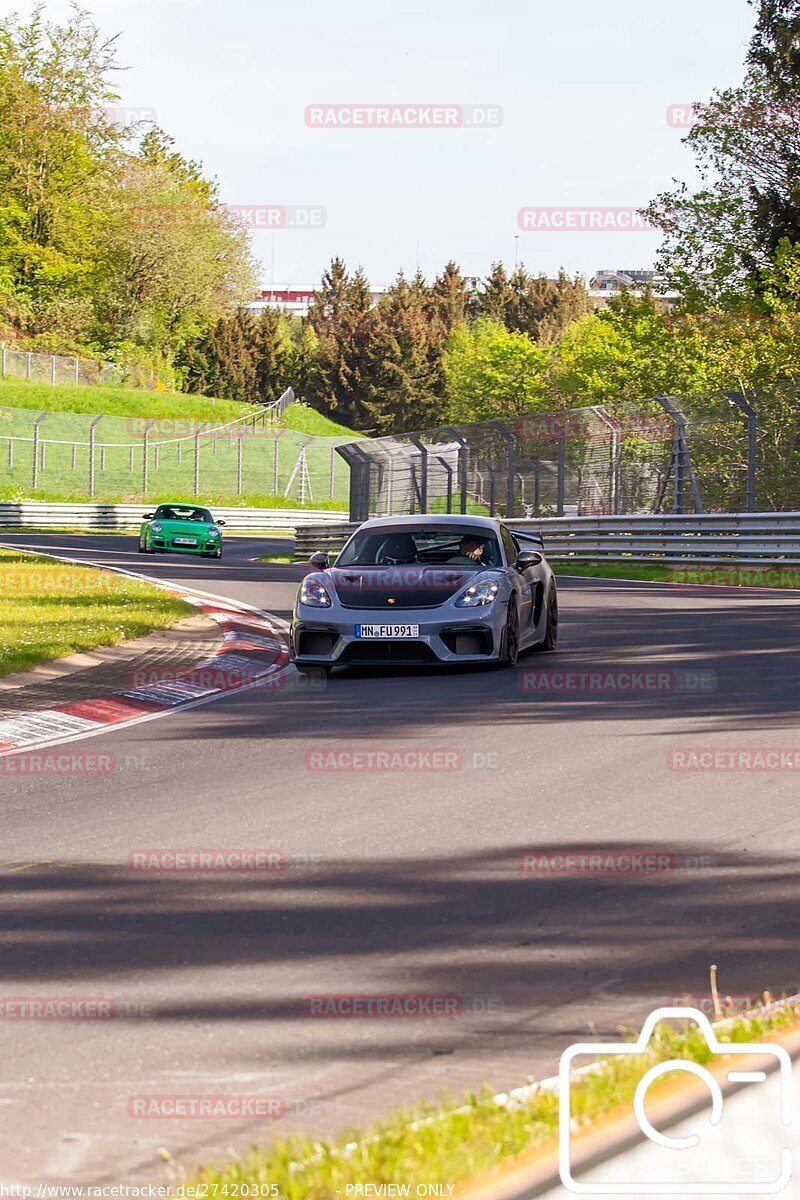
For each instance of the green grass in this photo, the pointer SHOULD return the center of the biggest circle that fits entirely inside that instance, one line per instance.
(732, 576)
(450, 1144)
(49, 609)
(612, 571)
(303, 419)
(118, 461)
(140, 403)
(115, 401)
(276, 558)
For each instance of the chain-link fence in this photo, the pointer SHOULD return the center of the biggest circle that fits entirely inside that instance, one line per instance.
(64, 369)
(74, 456)
(664, 454)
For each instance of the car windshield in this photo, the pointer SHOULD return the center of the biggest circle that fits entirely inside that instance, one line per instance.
(174, 512)
(463, 546)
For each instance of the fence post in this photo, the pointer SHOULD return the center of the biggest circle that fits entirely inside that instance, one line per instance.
(743, 404)
(463, 465)
(510, 442)
(561, 468)
(449, 471)
(145, 435)
(275, 464)
(36, 424)
(77, 370)
(28, 365)
(239, 451)
(616, 455)
(423, 483)
(92, 428)
(197, 464)
(333, 466)
(53, 369)
(681, 457)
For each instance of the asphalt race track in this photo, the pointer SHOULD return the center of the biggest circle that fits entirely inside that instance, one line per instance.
(397, 882)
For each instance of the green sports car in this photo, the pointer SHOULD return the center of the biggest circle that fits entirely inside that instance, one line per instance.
(182, 528)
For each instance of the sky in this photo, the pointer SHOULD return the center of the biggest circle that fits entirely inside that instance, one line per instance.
(574, 98)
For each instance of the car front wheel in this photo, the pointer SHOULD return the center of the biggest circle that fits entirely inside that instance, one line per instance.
(509, 653)
(550, 640)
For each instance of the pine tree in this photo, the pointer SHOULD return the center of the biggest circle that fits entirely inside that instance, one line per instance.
(450, 297)
(405, 374)
(497, 295)
(342, 319)
(775, 47)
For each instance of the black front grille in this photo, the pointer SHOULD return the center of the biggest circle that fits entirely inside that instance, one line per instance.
(468, 641)
(311, 642)
(381, 652)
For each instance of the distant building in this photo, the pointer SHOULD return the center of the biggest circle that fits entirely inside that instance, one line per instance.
(607, 283)
(618, 281)
(293, 298)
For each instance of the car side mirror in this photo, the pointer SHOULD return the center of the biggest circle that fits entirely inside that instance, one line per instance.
(320, 559)
(147, 517)
(220, 523)
(528, 558)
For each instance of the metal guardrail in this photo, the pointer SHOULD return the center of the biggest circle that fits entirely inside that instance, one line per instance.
(747, 538)
(110, 518)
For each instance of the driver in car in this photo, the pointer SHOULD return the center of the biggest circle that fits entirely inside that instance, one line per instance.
(470, 551)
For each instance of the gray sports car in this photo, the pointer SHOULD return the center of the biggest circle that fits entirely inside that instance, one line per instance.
(425, 589)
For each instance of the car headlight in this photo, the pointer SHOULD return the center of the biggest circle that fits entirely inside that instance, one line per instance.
(483, 592)
(213, 531)
(314, 593)
(156, 527)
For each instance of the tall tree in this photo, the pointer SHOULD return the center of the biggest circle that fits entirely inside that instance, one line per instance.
(123, 249)
(746, 142)
(342, 319)
(450, 297)
(405, 375)
(493, 372)
(775, 47)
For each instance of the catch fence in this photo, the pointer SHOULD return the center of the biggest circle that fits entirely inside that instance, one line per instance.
(663, 454)
(73, 456)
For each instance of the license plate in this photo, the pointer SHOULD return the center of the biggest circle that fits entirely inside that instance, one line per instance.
(185, 541)
(387, 631)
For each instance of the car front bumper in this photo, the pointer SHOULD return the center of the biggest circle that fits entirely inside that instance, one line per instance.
(203, 547)
(325, 637)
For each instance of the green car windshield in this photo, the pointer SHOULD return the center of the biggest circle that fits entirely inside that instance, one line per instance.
(175, 512)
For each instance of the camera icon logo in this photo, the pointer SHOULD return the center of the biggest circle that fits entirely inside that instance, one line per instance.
(766, 1058)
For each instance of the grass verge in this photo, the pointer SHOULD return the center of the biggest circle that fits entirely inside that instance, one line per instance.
(117, 401)
(433, 1145)
(722, 576)
(49, 609)
(91, 400)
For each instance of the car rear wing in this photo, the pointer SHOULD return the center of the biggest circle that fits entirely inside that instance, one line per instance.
(524, 536)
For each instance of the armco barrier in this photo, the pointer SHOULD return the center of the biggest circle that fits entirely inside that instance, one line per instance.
(713, 538)
(111, 518)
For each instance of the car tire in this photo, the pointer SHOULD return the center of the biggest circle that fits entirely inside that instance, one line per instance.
(550, 640)
(509, 648)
